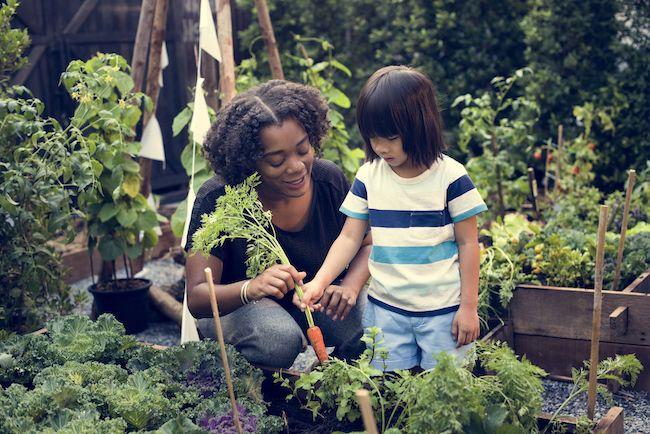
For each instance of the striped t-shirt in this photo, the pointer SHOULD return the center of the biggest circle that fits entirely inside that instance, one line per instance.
(414, 259)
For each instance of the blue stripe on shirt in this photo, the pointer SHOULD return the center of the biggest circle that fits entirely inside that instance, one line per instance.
(414, 254)
(383, 218)
(459, 187)
(356, 215)
(470, 213)
(359, 189)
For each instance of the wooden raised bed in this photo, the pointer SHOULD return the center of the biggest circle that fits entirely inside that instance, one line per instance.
(77, 261)
(552, 326)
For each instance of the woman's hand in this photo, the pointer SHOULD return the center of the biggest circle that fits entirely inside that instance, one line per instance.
(275, 281)
(337, 301)
(465, 327)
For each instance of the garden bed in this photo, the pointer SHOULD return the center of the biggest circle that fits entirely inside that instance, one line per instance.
(552, 326)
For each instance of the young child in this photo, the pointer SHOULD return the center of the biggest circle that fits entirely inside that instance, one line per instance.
(421, 206)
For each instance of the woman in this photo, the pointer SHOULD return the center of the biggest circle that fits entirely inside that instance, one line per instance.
(276, 129)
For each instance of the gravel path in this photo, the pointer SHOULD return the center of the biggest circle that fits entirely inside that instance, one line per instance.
(636, 405)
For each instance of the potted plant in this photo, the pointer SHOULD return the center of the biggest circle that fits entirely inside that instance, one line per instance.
(121, 223)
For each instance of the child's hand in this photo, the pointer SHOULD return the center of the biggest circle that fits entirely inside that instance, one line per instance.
(312, 292)
(465, 328)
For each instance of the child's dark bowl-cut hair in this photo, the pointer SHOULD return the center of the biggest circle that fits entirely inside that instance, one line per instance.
(401, 101)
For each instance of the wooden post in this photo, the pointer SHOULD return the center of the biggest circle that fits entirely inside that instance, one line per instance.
(141, 46)
(363, 397)
(631, 178)
(598, 300)
(501, 202)
(549, 156)
(269, 38)
(227, 65)
(153, 85)
(532, 184)
(222, 347)
(558, 157)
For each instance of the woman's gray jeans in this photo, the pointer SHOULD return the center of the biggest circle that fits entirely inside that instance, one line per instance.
(267, 334)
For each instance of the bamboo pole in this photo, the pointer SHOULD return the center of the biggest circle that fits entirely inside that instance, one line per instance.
(153, 84)
(598, 301)
(549, 156)
(269, 38)
(141, 46)
(631, 179)
(532, 184)
(363, 398)
(222, 346)
(227, 65)
(495, 151)
(558, 157)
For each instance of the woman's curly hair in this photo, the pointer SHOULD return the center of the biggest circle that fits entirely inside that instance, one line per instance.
(233, 143)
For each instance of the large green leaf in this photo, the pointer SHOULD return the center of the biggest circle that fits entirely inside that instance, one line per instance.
(108, 211)
(126, 217)
(109, 249)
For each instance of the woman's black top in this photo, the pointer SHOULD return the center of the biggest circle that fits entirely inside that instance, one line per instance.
(307, 248)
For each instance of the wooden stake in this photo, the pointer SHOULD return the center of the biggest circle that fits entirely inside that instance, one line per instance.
(153, 83)
(222, 346)
(363, 398)
(631, 179)
(598, 300)
(532, 184)
(141, 46)
(501, 203)
(269, 38)
(227, 65)
(546, 168)
(558, 157)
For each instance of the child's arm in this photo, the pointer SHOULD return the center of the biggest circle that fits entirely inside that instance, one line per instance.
(465, 327)
(344, 248)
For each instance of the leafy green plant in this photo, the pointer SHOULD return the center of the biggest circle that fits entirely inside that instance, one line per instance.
(501, 126)
(70, 338)
(623, 369)
(83, 373)
(107, 113)
(448, 398)
(13, 42)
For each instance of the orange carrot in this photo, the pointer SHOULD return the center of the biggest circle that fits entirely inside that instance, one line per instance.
(316, 338)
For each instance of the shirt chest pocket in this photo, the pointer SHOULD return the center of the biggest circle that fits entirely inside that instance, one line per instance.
(430, 219)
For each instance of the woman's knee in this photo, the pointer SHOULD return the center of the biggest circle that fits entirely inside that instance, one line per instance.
(276, 346)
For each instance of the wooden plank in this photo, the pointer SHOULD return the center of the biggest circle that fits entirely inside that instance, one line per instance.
(618, 321)
(80, 16)
(558, 355)
(566, 313)
(34, 56)
(77, 261)
(612, 423)
(641, 284)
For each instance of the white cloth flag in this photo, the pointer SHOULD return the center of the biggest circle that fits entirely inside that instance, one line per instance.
(200, 123)
(152, 141)
(164, 62)
(207, 32)
(189, 333)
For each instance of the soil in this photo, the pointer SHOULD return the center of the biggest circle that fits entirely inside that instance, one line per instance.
(298, 420)
(121, 285)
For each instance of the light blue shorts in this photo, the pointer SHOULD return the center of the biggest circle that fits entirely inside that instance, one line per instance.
(411, 340)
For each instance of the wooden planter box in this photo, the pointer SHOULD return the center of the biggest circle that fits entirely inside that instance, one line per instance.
(552, 326)
(77, 262)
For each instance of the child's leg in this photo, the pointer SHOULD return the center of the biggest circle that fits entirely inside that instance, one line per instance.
(397, 336)
(433, 335)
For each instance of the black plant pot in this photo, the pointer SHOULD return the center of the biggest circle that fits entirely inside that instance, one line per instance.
(126, 299)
